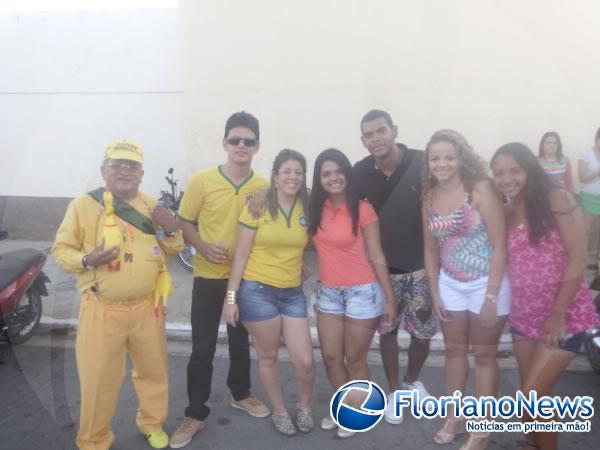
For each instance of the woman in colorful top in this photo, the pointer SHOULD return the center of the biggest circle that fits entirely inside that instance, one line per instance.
(355, 287)
(551, 304)
(465, 261)
(266, 277)
(552, 160)
(589, 176)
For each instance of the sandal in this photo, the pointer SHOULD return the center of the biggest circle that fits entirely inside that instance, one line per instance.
(476, 441)
(443, 436)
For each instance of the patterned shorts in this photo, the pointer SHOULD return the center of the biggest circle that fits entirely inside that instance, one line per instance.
(414, 305)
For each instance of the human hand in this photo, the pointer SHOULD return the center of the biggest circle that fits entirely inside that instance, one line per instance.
(100, 256)
(258, 203)
(163, 217)
(231, 314)
(488, 316)
(215, 252)
(390, 312)
(554, 329)
(305, 274)
(440, 311)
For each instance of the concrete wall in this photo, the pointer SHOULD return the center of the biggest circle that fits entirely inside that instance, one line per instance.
(495, 71)
(72, 81)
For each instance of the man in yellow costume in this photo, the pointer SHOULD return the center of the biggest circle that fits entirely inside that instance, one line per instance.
(108, 240)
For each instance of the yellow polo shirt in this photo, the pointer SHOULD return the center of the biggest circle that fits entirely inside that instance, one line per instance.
(276, 256)
(213, 203)
(130, 277)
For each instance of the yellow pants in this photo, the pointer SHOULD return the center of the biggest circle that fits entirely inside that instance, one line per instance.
(106, 332)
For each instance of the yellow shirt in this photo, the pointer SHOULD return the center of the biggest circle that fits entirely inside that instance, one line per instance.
(133, 275)
(276, 256)
(213, 202)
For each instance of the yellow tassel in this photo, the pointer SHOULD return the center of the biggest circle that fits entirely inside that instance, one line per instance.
(162, 290)
(111, 231)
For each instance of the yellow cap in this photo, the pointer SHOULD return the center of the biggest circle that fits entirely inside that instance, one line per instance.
(124, 149)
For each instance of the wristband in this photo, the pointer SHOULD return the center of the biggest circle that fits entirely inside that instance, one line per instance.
(491, 297)
(230, 298)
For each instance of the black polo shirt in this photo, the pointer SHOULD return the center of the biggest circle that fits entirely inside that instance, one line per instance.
(399, 210)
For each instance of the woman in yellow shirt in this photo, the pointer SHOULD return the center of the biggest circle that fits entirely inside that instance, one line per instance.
(266, 279)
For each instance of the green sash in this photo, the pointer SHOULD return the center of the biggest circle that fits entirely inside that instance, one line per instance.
(126, 212)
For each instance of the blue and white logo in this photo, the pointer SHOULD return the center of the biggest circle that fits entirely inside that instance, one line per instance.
(370, 412)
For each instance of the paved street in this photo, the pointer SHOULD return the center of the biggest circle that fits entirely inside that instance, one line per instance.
(40, 403)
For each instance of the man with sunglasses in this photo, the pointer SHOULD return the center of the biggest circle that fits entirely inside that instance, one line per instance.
(117, 282)
(213, 201)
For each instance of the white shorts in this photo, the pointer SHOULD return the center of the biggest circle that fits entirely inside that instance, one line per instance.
(470, 295)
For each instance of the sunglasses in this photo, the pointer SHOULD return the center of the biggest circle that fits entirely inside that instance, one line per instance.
(248, 142)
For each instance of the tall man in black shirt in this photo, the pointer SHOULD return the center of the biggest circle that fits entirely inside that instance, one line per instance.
(390, 178)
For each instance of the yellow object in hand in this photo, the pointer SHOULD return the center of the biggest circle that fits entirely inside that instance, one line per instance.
(162, 290)
(111, 231)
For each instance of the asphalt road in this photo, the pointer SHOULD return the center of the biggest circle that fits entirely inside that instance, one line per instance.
(39, 394)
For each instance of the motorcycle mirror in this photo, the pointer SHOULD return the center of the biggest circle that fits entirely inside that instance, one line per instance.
(171, 171)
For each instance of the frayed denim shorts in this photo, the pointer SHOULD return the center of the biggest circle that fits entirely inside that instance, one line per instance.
(259, 301)
(361, 301)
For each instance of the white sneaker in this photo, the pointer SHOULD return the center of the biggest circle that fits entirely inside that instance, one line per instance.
(327, 423)
(341, 433)
(389, 415)
(416, 386)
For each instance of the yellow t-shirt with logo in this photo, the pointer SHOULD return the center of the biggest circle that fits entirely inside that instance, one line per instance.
(213, 203)
(276, 256)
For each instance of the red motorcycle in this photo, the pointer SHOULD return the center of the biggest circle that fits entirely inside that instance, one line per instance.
(22, 285)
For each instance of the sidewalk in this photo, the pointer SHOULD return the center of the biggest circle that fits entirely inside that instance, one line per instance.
(61, 307)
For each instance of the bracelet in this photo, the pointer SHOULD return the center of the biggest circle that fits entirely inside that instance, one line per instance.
(491, 297)
(230, 298)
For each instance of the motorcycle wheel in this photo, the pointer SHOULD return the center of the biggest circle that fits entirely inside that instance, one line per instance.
(186, 257)
(25, 319)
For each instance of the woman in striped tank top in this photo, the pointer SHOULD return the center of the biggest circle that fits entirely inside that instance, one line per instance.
(465, 260)
(555, 164)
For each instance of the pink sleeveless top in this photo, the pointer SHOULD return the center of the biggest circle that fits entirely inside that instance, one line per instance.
(535, 275)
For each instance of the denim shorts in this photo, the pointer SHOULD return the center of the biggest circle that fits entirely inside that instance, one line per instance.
(572, 342)
(259, 301)
(361, 301)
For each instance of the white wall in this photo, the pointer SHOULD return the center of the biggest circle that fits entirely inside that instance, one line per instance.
(73, 81)
(495, 71)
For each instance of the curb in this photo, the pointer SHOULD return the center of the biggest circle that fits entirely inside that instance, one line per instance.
(182, 332)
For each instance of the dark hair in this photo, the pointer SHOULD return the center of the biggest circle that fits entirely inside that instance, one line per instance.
(318, 194)
(538, 211)
(376, 114)
(286, 155)
(242, 119)
(554, 134)
(472, 167)
(597, 135)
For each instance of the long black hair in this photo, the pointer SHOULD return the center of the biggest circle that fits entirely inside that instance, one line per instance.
(318, 194)
(286, 155)
(559, 153)
(538, 210)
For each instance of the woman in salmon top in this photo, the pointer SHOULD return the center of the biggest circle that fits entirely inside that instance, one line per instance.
(355, 287)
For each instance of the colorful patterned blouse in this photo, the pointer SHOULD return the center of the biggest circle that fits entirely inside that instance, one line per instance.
(465, 249)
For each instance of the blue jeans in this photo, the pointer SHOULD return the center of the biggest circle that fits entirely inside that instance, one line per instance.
(361, 301)
(259, 301)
